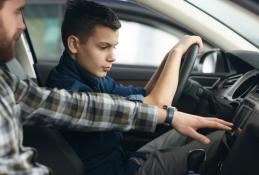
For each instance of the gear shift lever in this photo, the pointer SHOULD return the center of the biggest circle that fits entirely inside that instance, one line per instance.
(194, 161)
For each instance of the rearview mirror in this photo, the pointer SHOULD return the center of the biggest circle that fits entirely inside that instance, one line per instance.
(210, 62)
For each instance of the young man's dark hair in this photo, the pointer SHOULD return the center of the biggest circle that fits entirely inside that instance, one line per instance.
(82, 16)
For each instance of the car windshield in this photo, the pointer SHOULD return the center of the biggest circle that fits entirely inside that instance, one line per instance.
(239, 19)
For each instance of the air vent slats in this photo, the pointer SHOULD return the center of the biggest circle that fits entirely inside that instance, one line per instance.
(231, 80)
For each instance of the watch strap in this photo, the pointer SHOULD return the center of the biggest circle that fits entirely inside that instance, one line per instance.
(170, 110)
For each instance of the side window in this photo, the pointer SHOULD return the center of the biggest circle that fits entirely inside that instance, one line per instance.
(43, 22)
(141, 44)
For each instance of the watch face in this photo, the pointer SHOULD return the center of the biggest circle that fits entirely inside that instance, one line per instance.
(170, 113)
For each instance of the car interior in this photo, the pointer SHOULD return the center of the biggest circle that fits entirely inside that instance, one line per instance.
(231, 93)
(239, 89)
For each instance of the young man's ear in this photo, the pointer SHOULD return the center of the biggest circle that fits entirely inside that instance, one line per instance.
(73, 44)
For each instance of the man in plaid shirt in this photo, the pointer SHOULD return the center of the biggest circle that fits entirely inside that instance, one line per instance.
(23, 102)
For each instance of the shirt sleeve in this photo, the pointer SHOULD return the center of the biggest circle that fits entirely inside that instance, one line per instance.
(82, 111)
(14, 159)
(112, 87)
(23, 102)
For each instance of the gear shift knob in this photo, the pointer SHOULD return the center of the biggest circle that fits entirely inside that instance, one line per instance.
(194, 161)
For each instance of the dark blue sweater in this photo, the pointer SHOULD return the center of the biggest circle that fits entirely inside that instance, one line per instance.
(100, 151)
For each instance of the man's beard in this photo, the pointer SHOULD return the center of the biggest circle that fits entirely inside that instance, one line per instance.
(7, 50)
(7, 45)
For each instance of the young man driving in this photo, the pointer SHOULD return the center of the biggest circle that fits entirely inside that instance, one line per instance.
(90, 34)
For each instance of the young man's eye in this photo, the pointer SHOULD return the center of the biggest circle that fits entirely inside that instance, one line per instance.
(103, 47)
(19, 11)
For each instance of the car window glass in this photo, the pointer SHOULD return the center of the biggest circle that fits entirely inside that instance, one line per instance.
(43, 24)
(142, 44)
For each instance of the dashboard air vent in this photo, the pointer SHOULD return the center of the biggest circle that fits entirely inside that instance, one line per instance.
(231, 80)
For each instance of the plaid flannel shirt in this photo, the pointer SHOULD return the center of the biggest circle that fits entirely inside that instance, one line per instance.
(23, 102)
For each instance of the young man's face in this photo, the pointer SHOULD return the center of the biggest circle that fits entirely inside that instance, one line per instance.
(96, 55)
(11, 27)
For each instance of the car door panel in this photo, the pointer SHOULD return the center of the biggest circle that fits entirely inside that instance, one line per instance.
(132, 74)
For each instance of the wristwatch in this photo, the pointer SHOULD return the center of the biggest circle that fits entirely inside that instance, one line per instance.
(170, 110)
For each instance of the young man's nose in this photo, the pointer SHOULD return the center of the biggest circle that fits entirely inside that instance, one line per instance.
(111, 57)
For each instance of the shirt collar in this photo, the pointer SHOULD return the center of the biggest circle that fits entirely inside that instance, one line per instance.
(77, 71)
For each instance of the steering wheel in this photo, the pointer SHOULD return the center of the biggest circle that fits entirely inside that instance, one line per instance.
(185, 70)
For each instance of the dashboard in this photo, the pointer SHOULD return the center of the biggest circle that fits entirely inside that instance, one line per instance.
(244, 93)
